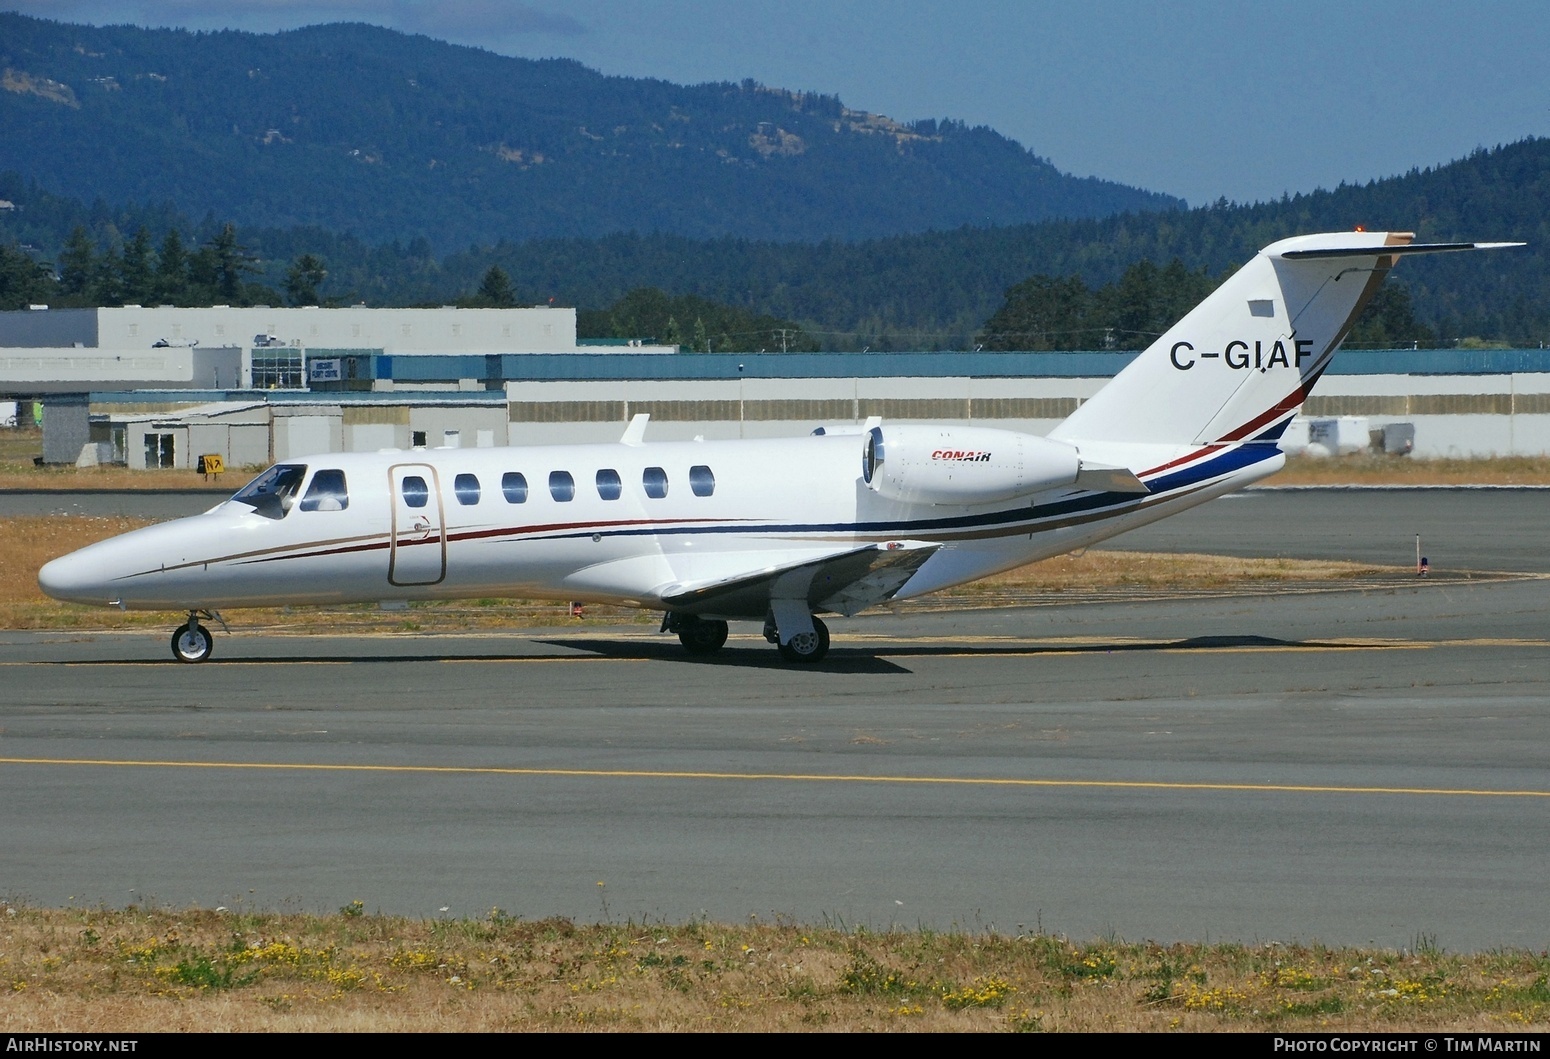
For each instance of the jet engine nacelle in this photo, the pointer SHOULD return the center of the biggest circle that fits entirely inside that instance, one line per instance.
(964, 465)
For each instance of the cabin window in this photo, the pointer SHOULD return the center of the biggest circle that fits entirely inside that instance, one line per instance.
(701, 480)
(327, 492)
(415, 492)
(609, 484)
(466, 488)
(272, 493)
(562, 486)
(654, 480)
(514, 486)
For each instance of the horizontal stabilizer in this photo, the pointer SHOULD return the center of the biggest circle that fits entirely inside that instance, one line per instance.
(1391, 251)
(847, 582)
(1101, 478)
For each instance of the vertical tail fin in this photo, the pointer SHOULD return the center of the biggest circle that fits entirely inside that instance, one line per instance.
(1241, 363)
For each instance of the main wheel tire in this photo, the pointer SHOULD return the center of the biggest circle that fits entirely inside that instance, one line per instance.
(703, 636)
(192, 643)
(807, 647)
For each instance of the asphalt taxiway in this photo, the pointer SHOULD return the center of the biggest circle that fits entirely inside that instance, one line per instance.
(1362, 767)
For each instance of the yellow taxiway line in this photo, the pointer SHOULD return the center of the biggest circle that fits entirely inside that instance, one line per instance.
(788, 777)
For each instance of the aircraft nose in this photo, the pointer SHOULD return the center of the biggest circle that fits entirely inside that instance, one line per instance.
(72, 579)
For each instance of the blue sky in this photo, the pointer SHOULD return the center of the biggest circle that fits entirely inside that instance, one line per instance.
(1197, 98)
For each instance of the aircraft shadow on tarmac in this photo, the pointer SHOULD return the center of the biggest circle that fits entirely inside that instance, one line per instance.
(873, 659)
(869, 659)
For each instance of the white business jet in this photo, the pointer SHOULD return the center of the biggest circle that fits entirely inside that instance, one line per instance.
(777, 530)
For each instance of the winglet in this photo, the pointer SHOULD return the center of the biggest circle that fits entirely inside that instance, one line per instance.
(635, 433)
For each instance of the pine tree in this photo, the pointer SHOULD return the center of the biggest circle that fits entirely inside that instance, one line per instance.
(77, 265)
(495, 289)
(229, 260)
(171, 287)
(23, 281)
(139, 278)
(303, 279)
(107, 285)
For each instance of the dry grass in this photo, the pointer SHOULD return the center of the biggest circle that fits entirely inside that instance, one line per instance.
(17, 471)
(140, 970)
(34, 540)
(1406, 470)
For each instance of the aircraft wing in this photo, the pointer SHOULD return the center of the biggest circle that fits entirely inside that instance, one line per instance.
(845, 582)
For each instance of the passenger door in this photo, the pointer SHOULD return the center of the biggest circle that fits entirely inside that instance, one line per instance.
(417, 551)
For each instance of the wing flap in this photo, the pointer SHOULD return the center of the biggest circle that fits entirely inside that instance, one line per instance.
(845, 582)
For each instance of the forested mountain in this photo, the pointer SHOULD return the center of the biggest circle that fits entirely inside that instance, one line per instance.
(389, 136)
(926, 291)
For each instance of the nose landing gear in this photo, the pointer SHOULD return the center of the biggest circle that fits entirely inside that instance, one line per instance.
(192, 642)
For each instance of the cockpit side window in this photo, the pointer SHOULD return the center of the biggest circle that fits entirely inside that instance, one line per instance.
(272, 493)
(327, 492)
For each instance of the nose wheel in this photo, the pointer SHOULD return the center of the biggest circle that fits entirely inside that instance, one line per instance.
(192, 642)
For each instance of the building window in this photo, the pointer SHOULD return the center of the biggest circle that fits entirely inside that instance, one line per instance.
(415, 492)
(417, 439)
(654, 480)
(609, 484)
(277, 368)
(701, 481)
(562, 486)
(466, 488)
(514, 486)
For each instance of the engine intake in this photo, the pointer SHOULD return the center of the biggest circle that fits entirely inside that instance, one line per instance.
(964, 465)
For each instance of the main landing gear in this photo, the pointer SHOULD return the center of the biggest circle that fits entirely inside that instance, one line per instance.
(192, 642)
(806, 639)
(804, 646)
(700, 636)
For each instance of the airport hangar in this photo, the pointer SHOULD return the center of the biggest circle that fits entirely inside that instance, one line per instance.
(161, 387)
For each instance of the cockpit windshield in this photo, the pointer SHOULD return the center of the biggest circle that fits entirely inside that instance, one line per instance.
(272, 493)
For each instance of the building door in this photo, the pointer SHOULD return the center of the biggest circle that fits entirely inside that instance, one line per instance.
(417, 552)
(158, 451)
